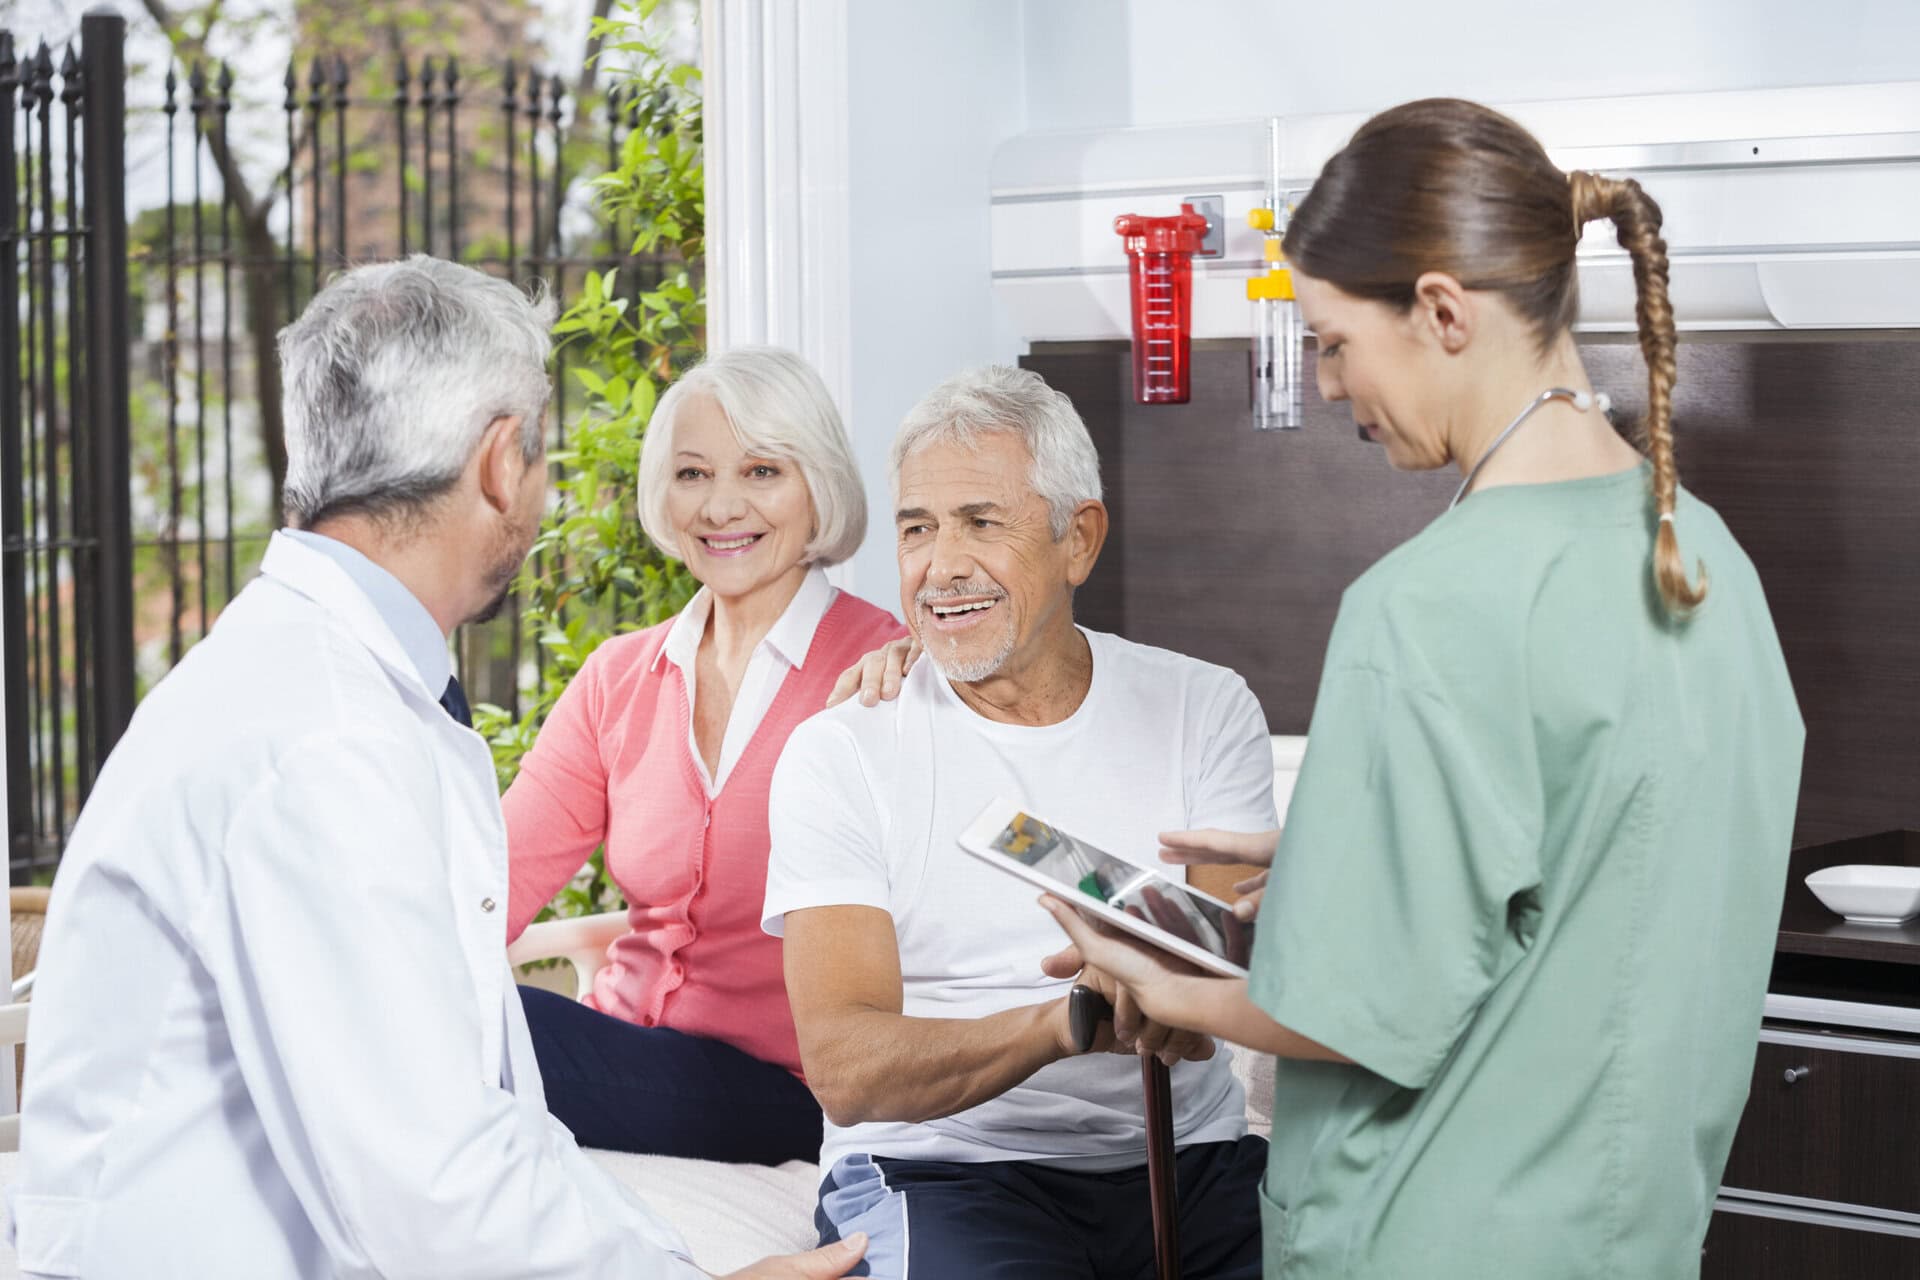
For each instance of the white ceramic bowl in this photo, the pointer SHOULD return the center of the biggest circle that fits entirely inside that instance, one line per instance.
(1869, 895)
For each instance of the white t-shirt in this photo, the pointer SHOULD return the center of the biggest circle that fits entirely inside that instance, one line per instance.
(866, 810)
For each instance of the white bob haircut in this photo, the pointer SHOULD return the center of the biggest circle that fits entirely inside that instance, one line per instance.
(778, 408)
(998, 397)
(393, 373)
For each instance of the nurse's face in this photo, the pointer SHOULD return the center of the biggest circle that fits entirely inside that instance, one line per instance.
(1383, 364)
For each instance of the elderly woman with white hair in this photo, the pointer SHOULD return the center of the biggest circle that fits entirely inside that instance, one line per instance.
(662, 749)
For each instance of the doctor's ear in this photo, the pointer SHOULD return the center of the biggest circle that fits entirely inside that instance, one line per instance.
(1443, 311)
(502, 462)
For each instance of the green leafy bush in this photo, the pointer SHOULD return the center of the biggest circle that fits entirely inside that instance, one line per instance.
(593, 573)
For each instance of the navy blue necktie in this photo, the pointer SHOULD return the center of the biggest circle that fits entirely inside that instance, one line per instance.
(454, 700)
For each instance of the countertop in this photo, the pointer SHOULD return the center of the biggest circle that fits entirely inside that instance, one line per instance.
(1808, 928)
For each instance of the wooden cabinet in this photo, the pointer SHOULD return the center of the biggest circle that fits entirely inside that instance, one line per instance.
(1745, 1246)
(1823, 1181)
(1833, 1118)
(1824, 1176)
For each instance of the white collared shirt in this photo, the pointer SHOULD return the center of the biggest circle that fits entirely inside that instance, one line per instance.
(275, 1034)
(782, 649)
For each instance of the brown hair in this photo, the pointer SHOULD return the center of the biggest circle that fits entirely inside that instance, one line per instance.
(1452, 186)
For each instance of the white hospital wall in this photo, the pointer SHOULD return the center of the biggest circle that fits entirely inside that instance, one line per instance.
(933, 88)
(1142, 62)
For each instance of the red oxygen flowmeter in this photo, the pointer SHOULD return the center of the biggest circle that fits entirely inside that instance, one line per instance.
(1160, 268)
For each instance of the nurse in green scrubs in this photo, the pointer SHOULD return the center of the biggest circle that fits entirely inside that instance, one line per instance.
(1516, 936)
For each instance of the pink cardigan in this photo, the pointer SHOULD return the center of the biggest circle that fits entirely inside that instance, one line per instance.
(612, 764)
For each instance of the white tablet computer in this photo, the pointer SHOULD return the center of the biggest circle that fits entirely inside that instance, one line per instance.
(1172, 916)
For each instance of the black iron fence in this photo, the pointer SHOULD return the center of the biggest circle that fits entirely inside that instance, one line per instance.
(143, 446)
(64, 497)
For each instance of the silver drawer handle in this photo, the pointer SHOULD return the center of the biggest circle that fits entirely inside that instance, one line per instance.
(1793, 1074)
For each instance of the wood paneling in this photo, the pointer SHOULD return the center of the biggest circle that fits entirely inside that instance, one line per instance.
(1234, 545)
(1743, 1247)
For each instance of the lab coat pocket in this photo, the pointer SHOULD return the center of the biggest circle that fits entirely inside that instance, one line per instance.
(50, 1234)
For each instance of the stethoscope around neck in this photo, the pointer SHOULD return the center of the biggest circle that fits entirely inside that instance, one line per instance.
(1578, 399)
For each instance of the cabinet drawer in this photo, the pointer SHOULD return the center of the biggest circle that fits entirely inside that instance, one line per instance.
(1831, 1119)
(1743, 1246)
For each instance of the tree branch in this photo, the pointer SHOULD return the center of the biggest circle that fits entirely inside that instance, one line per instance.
(590, 65)
(186, 50)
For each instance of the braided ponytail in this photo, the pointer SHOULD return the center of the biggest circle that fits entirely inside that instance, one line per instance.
(1636, 220)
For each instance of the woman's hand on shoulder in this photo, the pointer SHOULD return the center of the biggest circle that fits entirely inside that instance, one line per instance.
(878, 676)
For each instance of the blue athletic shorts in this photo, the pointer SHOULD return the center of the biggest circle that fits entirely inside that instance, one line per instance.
(1013, 1220)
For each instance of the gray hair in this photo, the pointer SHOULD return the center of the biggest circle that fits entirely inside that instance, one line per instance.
(778, 408)
(997, 397)
(392, 374)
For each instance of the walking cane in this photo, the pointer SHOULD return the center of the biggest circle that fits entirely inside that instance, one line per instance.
(1086, 1010)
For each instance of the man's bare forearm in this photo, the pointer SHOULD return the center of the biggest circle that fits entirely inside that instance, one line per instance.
(871, 1064)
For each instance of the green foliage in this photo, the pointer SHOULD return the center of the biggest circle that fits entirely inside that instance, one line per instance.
(593, 573)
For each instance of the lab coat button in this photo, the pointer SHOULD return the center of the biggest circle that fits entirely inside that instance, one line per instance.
(486, 904)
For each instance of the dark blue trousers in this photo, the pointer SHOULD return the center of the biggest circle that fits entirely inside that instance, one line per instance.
(658, 1091)
(1015, 1220)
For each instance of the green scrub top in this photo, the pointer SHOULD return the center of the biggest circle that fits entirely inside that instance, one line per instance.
(1529, 884)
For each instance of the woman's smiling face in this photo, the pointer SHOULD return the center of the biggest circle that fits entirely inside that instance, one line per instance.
(742, 520)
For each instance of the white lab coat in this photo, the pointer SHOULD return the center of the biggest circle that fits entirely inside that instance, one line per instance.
(275, 1033)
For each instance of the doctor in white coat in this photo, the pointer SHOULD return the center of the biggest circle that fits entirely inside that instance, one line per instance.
(275, 1034)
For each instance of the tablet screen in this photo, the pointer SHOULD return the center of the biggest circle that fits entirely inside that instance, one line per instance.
(1143, 894)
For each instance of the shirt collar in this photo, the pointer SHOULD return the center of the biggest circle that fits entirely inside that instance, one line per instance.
(420, 637)
(790, 637)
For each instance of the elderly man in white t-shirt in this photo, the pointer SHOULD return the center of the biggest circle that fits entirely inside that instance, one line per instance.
(965, 1136)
